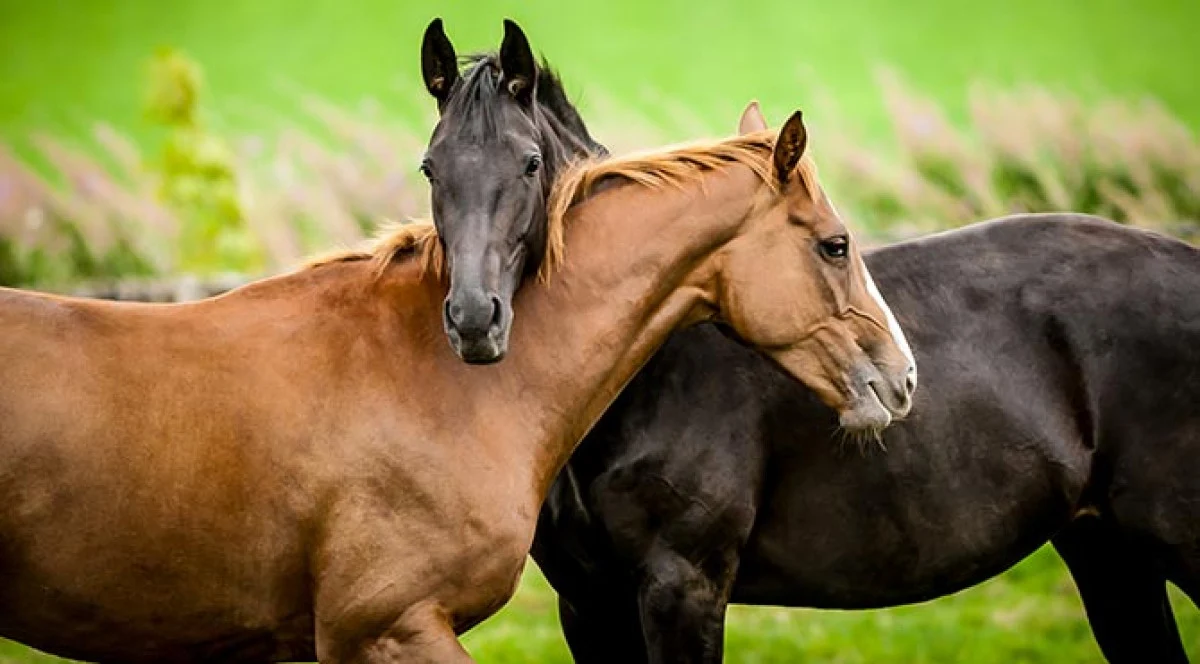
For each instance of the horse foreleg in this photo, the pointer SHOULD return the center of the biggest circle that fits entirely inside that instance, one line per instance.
(682, 605)
(1125, 598)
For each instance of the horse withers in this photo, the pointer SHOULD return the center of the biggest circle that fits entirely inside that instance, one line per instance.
(301, 467)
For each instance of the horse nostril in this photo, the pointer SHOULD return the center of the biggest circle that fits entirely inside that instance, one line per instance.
(453, 313)
(910, 380)
(497, 312)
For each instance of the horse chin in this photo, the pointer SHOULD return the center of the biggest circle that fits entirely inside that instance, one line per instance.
(488, 349)
(481, 352)
(866, 415)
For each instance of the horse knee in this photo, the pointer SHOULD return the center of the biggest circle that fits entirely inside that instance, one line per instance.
(683, 610)
(675, 580)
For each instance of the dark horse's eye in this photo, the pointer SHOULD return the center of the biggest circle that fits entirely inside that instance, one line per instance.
(835, 248)
(426, 170)
(532, 164)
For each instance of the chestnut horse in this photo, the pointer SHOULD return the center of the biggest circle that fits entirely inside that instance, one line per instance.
(302, 467)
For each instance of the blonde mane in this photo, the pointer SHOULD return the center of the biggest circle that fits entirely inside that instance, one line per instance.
(393, 241)
(674, 167)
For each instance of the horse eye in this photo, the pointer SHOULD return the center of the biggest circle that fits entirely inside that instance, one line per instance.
(835, 248)
(533, 164)
(426, 170)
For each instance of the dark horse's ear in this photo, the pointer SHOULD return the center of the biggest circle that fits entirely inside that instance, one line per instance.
(789, 147)
(439, 64)
(517, 66)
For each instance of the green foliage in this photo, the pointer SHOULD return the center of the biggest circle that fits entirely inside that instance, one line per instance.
(83, 262)
(12, 270)
(198, 175)
(173, 93)
(39, 267)
(74, 258)
(89, 220)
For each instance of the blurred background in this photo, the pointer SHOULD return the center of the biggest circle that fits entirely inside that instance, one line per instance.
(158, 149)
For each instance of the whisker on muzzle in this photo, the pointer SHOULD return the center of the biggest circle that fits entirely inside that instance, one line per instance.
(861, 438)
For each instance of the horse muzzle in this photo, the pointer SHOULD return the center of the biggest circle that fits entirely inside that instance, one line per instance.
(477, 325)
(880, 397)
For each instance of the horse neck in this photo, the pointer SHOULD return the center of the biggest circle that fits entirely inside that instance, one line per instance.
(639, 266)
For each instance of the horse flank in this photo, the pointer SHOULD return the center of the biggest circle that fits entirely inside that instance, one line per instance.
(418, 238)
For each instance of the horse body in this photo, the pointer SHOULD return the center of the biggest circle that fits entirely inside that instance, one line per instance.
(1060, 368)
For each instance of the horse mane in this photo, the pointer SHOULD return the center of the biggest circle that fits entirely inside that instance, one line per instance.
(552, 96)
(394, 241)
(675, 167)
(672, 168)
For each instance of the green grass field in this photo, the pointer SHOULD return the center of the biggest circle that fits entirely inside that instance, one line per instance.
(1030, 615)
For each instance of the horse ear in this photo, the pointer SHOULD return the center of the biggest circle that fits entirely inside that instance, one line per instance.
(517, 66)
(439, 64)
(752, 120)
(789, 147)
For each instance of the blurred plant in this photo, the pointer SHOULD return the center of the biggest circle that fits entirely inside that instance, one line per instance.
(303, 192)
(1026, 150)
(85, 223)
(99, 214)
(198, 180)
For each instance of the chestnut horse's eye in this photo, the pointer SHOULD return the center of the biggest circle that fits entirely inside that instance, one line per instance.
(835, 248)
(426, 170)
(532, 164)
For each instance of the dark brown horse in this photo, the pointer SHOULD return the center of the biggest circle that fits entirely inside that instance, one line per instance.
(1060, 377)
(302, 467)
(506, 131)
